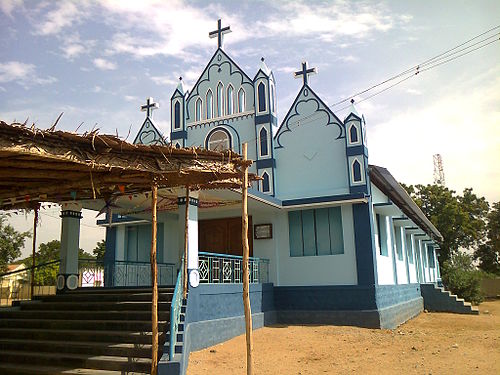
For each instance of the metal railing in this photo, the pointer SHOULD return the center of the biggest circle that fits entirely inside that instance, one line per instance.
(175, 310)
(224, 269)
(123, 273)
(16, 285)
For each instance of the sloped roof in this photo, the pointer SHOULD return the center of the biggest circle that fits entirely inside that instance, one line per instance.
(385, 181)
(57, 166)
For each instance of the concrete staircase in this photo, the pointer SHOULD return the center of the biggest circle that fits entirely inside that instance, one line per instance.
(438, 299)
(86, 331)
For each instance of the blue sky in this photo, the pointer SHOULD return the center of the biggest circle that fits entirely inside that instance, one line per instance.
(97, 61)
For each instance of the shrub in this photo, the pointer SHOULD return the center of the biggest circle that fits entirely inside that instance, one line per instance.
(461, 277)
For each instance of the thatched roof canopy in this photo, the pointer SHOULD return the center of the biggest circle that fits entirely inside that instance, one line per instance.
(57, 166)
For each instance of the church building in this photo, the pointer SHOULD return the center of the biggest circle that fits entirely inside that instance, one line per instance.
(333, 239)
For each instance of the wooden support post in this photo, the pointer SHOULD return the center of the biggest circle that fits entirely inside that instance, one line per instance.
(35, 224)
(246, 275)
(186, 232)
(154, 282)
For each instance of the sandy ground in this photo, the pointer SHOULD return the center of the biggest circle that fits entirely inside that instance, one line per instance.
(432, 343)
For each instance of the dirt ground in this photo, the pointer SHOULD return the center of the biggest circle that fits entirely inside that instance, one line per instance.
(432, 343)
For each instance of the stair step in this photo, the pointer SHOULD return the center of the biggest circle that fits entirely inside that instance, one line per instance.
(92, 306)
(82, 347)
(101, 290)
(82, 315)
(102, 297)
(102, 362)
(138, 337)
(95, 325)
(25, 369)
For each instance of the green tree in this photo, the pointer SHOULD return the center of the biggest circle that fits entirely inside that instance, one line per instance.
(461, 277)
(488, 253)
(11, 242)
(461, 219)
(49, 252)
(100, 250)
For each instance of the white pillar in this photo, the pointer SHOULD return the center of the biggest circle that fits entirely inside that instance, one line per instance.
(70, 244)
(192, 256)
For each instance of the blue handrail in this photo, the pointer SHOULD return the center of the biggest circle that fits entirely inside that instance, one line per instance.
(175, 310)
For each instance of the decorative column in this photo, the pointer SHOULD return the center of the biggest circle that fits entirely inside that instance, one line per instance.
(70, 244)
(192, 228)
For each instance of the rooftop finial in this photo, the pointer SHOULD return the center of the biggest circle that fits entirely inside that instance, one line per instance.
(149, 107)
(352, 100)
(262, 59)
(219, 33)
(305, 72)
(180, 78)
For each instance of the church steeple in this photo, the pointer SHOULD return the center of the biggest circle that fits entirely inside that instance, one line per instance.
(178, 134)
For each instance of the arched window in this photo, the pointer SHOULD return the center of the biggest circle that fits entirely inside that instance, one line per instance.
(265, 183)
(210, 104)
(241, 100)
(263, 142)
(230, 100)
(356, 171)
(177, 115)
(353, 134)
(219, 141)
(220, 100)
(261, 91)
(177, 145)
(272, 99)
(199, 109)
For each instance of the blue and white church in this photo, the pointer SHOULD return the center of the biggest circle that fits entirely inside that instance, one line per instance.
(333, 239)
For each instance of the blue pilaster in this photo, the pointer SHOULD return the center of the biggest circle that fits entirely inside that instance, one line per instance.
(365, 245)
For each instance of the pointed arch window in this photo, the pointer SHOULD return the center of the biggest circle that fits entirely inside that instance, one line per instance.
(264, 150)
(230, 100)
(210, 104)
(353, 134)
(261, 92)
(356, 171)
(177, 145)
(199, 109)
(177, 115)
(219, 141)
(273, 109)
(241, 100)
(266, 188)
(220, 100)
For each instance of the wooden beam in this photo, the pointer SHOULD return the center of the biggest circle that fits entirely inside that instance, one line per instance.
(33, 263)
(186, 237)
(154, 281)
(246, 275)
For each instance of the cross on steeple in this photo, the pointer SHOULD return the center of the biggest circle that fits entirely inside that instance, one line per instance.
(305, 72)
(149, 107)
(219, 33)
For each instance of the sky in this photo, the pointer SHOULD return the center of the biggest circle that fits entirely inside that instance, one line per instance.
(98, 61)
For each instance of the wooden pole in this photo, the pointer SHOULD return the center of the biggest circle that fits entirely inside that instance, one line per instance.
(154, 282)
(35, 223)
(246, 276)
(185, 269)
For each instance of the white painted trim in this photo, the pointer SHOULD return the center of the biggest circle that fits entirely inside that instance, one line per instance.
(261, 81)
(244, 100)
(125, 223)
(226, 117)
(206, 104)
(198, 100)
(220, 84)
(267, 140)
(358, 130)
(180, 115)
(262, 183)
(328, 204)
(227, 100)
(362, 171)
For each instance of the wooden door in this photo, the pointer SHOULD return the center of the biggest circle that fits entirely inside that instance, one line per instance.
(223, 236)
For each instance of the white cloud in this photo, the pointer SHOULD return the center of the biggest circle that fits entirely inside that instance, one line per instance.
(131, 98)
(8, 6)
(104, 64)
(328, 21)
(65, 14)
(73, 46)
(462, 127)
(97, 89)
(22, 73)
